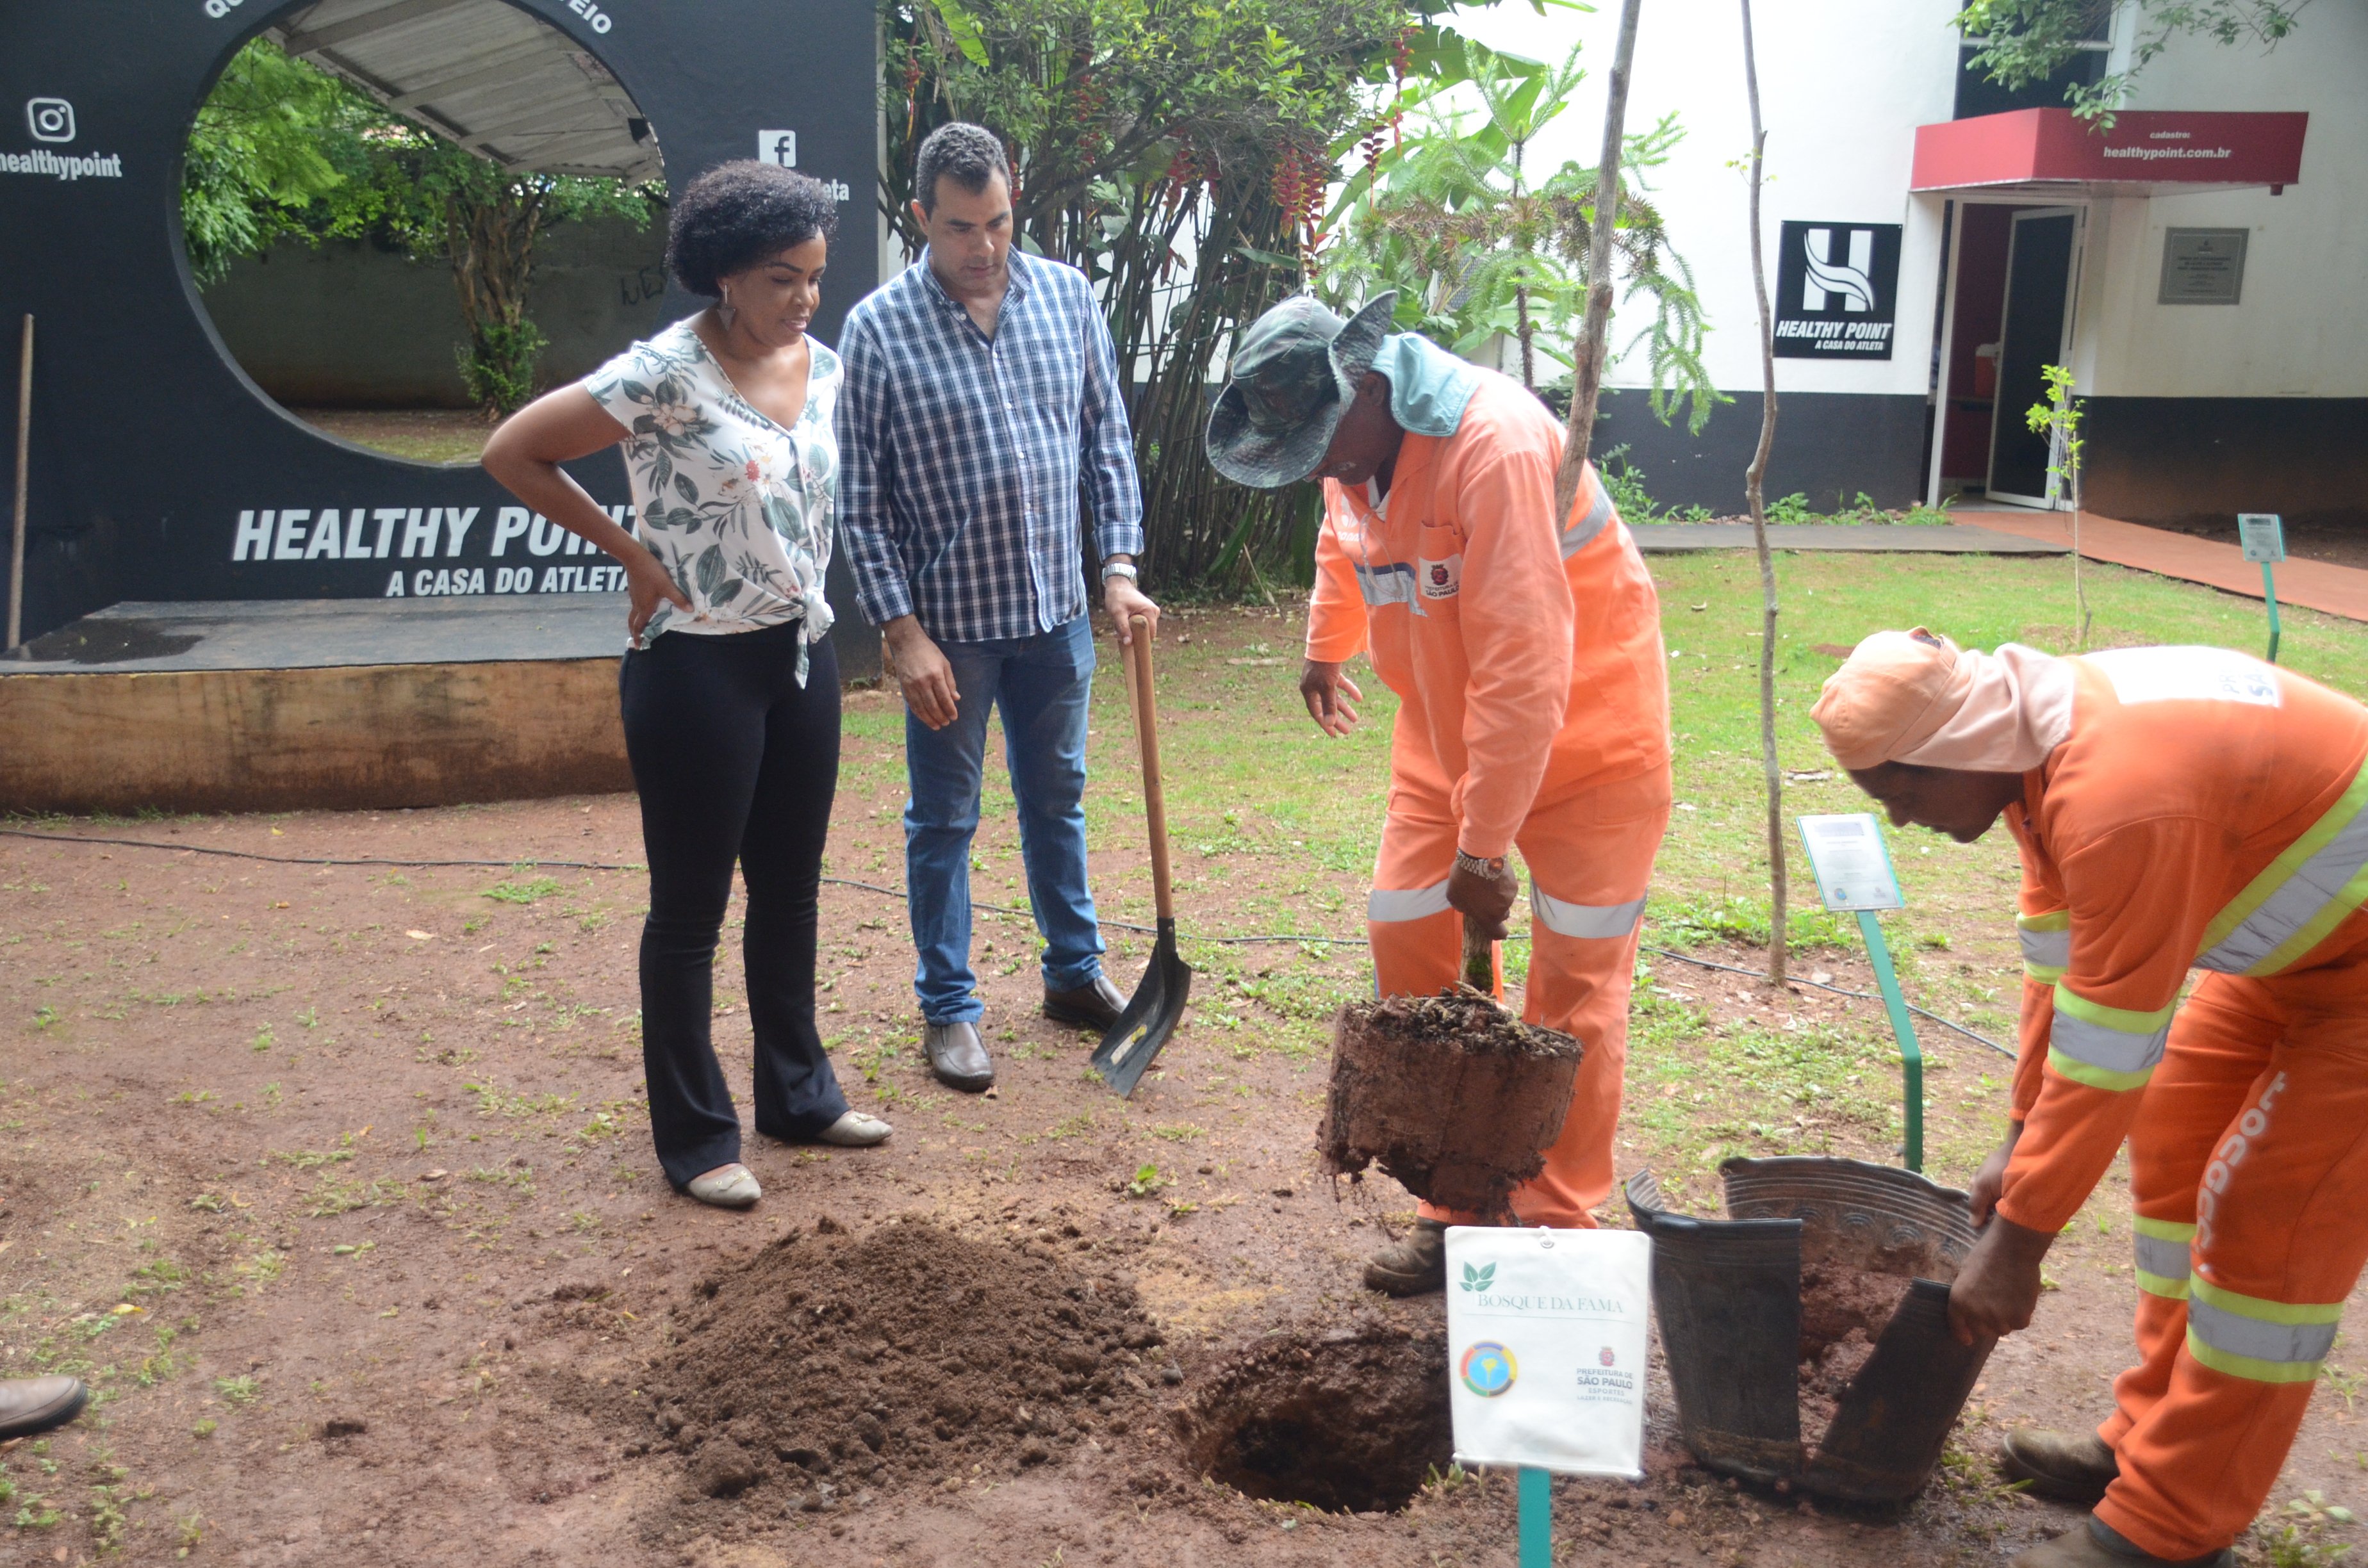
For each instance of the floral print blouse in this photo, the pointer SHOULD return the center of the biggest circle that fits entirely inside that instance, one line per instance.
(736, 508)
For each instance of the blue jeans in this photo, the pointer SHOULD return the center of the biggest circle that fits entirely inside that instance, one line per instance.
(1042, 684)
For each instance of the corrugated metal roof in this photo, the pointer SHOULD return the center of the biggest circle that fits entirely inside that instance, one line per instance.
(485, 75)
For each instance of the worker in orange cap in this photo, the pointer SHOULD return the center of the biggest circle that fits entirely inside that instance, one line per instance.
(2176, 808)
(1525, 649)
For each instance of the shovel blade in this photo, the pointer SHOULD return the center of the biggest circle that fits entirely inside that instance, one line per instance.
(1127, 1051)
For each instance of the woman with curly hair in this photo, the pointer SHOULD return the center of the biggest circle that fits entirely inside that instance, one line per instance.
(730, 689)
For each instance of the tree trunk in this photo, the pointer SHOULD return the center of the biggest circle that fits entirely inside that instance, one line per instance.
(491, 235)
(1778, 927)
(1529, 336)
(1586, 367)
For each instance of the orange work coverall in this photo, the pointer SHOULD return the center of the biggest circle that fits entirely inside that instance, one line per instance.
(2208, 810)
(1534, 710)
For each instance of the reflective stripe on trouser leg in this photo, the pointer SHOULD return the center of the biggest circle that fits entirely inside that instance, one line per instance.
(1590, 860)
(2257, 1118)
(2261, 1340)
(1416, 941)
(2162, 1256)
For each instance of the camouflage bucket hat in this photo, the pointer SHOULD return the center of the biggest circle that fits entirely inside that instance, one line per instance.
(1294, 376)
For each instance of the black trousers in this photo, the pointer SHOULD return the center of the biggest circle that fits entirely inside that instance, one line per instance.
(734, 762)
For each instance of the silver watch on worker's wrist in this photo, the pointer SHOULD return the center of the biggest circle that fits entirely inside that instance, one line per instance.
(1491, 869)
(1118, 569)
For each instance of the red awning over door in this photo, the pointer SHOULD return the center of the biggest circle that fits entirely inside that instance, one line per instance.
(2047, 151)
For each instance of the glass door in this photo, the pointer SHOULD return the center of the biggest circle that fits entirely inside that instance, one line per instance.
(2037, 332)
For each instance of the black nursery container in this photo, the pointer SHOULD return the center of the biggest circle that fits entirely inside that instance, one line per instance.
(1727, 1293)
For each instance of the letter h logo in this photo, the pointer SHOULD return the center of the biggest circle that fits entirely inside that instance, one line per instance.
(1832, 279)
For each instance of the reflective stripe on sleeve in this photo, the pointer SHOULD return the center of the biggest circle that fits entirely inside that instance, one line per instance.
(2162, 1256)
(1387, 904)
(2105, 1048)
(1581, 534)
(2300, 897)
(2046, 945)
(2267, 1342)
(1593, 920)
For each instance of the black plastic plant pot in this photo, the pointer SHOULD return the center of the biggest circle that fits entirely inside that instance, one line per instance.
(1728, 1296)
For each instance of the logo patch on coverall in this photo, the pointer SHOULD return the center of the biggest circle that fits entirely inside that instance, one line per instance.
(1440, 579)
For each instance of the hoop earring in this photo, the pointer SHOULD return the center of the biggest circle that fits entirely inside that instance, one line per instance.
(724, 311)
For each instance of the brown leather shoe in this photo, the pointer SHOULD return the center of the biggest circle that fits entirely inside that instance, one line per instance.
(35, 1405)
(1413, 1267)
(958, 1056)
(2069, 1467)
(1095, 1007)
(2090, 1544)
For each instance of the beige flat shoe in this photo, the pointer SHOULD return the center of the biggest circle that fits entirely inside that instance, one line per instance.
(855, 1130)
(728, 1186)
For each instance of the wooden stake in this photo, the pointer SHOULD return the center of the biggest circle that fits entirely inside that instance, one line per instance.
(1586, 367)
(1755, 492)
(23, 454)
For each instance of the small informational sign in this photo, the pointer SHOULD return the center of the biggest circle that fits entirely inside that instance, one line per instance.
(2202, 267)
(777, 147)
(1836, 291)
(2263, 535)
(1853, 866)
(1546, 1337)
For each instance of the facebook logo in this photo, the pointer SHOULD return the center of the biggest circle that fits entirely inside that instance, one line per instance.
(779, 147)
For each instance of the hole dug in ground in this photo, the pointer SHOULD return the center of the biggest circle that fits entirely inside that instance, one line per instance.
(1349, 1420)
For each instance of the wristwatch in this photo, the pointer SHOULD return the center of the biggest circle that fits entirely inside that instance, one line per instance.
(1118, 569)
(1491, 869)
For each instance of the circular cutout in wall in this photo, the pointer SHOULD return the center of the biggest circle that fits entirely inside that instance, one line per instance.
(405, 220)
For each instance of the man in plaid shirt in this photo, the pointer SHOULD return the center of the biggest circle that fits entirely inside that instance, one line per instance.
(981, 395)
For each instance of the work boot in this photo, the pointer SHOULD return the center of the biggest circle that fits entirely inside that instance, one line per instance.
(2091, 1544)
(958, 1056)
(1413, 1267)
(35, 1405)
(2069, 1467)
(1094, 1006)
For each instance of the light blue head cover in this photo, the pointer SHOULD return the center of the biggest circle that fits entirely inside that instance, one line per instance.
(1429, 386)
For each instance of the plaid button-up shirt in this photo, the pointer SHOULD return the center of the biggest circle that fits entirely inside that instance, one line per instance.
(962, 455)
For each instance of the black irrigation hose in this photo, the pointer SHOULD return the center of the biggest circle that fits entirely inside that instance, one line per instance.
(893, 893)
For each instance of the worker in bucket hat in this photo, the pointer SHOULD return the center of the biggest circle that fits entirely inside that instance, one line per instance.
(1525, 649)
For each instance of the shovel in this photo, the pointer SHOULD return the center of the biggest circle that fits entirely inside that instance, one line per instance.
(1159, 1003)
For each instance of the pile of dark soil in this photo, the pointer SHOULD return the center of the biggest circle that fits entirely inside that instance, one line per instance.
(833, 1364)
(1843, 1310)
(1350, 1421)
(1451, 1095)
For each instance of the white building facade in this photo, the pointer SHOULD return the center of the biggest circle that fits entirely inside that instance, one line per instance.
(1932, 241)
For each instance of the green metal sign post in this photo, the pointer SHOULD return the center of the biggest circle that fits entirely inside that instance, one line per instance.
(1855, 877)
(1537, 1517)
(2263, 535)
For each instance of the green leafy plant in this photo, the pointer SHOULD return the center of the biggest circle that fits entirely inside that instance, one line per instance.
(1146, 1182)
(2023, 42)
(2060, 417)
(1477, 246)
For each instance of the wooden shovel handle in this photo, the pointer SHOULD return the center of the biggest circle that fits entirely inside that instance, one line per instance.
(1479, 959)
(1146, 731)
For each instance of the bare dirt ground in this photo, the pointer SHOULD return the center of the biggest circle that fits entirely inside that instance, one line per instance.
(422, 435)
(337, 1180)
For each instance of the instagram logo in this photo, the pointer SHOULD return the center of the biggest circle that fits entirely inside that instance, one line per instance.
(52, 119)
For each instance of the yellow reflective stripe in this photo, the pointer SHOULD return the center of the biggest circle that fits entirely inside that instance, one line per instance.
(2081, 1071)
(2279, 871)
(2260, 1308)
(2162, 1230)
(2046, 943)
(2315, 931)
(2163, 1244)
(2259, 1340)
(2105, 1048)
(2119, 1019)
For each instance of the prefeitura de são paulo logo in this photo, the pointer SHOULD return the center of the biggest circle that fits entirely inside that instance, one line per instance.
(1487, 1368)
(1605, 1356)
